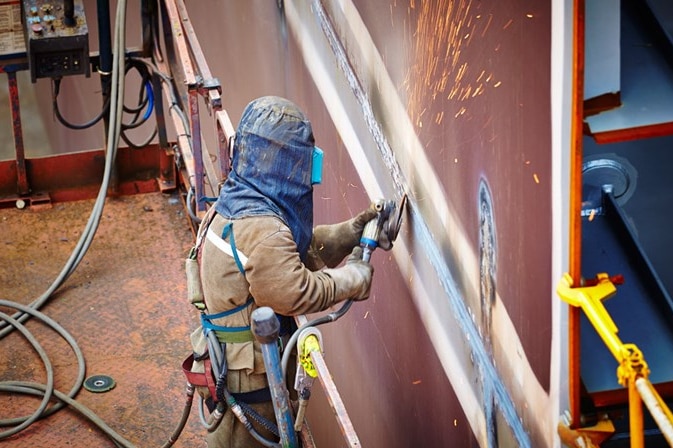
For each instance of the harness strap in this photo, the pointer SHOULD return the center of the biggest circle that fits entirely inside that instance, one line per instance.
(228, 231)
(199, 379)
(228, 334)
(254, 396)
(205, 379)
(229, 249)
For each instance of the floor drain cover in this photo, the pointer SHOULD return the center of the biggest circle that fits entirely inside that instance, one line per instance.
(99, 383)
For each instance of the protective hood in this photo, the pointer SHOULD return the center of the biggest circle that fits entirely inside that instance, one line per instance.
(271, 168)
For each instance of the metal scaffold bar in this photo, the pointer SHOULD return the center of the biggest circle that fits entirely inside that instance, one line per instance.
(332, 394)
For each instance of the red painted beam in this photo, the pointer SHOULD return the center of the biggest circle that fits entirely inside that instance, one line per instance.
(77, 176)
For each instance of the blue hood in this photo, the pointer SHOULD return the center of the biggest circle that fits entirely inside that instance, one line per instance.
(271, 168)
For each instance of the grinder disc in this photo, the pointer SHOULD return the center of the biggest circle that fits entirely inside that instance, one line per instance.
(99, 383)
(394, 222)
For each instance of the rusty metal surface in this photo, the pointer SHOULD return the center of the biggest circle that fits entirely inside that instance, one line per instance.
(124, 305)
(22, 180)
(77, 176)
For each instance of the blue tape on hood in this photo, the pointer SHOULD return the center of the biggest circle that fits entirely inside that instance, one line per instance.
(271, 168)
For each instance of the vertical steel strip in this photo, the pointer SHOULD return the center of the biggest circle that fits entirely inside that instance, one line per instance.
(334, 399)
(575, 219)
(21, 176)
(195, 131)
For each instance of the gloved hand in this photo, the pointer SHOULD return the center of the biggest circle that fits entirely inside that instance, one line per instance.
(354, 279)
(333, 242)
(363, 218)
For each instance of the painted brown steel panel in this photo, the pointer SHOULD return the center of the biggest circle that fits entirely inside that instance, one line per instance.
(475, 76)
(453, 346)
(482, 117)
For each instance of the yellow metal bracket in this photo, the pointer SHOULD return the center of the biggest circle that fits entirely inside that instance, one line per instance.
(632, 371)
(590, 299)
(632, 366)
(307, 344)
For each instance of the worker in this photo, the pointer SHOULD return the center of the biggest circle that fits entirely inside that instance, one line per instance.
(260, 249)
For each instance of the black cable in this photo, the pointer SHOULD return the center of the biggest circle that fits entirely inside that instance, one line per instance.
(183, 418)
(142, 145)
(221, 394)
(66, 123)
(256, 416)
(331, 317)
(174, 103)
(145, 94)
(145, 100)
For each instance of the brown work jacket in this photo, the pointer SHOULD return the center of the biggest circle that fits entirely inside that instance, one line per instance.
(274, 276)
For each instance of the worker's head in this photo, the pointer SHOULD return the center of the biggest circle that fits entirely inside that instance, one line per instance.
(273, 167)
(275, 139)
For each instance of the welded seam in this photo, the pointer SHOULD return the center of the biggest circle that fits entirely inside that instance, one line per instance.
(421, 230)
(362, 98)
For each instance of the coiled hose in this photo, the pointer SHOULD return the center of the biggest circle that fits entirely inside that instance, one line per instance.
(24, 312)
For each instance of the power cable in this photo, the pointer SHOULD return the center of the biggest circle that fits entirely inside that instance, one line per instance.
(83, 244)
(15, 322)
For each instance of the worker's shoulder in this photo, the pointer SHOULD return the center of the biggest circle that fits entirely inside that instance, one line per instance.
(271, 222)
(257, 235)
(261, 227)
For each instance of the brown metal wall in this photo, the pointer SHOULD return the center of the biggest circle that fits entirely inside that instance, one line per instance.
(475, 78)
(494, 127)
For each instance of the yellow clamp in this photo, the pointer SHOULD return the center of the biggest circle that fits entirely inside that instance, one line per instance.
(309, 341)
(590, 299)
(632, 365)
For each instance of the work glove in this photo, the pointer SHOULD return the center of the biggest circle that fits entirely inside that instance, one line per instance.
(332, 242)
(383, 241)
(354, 279)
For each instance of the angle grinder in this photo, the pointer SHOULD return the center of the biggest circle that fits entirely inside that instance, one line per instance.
(388, 219)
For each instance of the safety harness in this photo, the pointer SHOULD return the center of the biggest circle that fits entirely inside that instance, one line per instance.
(225, 335)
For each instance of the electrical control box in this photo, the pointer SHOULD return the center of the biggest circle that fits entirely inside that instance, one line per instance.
(57, 38)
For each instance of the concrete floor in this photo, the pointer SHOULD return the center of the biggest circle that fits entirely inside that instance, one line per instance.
(125, 306)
